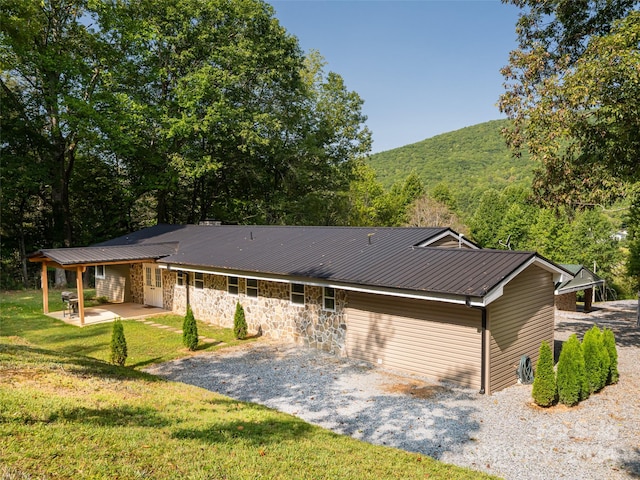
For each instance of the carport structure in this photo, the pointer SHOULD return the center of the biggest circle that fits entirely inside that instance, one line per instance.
(79, 259)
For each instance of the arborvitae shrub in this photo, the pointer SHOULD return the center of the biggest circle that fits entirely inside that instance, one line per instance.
(596, 359)
(609, 341)
(118, 354)
(190, 331)
(544, 390)
(571, 377)
(239, 323)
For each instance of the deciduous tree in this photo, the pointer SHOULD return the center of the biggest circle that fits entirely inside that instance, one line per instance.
(572, 93)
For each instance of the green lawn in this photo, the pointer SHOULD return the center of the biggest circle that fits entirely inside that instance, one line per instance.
(66, 413)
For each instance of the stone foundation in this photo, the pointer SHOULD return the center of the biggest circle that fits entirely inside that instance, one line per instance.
(566, 302)
(271, 313)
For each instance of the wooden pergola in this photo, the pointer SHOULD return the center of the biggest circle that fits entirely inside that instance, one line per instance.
(78, 259)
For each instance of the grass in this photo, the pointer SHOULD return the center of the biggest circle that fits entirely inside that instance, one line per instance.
(20, 314)
(66, 413)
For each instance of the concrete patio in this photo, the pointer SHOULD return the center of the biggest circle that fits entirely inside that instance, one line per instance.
(108, 313)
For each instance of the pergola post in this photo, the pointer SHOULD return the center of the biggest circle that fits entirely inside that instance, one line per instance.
(44, 280)
(79, 286)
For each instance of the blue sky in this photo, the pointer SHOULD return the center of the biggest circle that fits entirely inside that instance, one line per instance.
(423, 67)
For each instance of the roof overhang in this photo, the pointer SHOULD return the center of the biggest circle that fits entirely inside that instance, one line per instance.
(469, 301)
(559, 275)
(111, 255)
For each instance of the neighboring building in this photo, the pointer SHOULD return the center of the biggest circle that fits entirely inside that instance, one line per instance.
(422, 300)
(584, 280)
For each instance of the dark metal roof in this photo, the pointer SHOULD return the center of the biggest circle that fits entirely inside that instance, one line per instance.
(582, 280)
(106, 254)
(360, 256)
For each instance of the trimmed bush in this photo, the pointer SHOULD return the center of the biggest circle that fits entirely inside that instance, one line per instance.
(239, 323)
(544, 390)
(571, 378)
(118, 354)
(609, 341)
(596, 359)
(190, 331)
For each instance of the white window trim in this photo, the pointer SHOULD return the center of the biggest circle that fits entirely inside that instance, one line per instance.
(251, 288)
(103, 275)
(233, 285)
(303, 293)
(325, 297)
(180, 278)
(198, 283)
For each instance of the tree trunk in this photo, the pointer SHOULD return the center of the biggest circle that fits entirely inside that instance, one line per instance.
(61, 278)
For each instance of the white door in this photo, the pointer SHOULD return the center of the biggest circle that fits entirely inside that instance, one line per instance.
(152, 285)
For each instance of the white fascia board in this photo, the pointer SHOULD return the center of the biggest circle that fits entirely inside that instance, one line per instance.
(457, 299)
(559, 275)
(577, 288)
(448, 233)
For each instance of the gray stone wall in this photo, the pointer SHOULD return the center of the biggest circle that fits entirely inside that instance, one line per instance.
(271, 313)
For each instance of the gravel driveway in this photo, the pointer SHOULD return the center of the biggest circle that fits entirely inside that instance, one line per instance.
(503, 434)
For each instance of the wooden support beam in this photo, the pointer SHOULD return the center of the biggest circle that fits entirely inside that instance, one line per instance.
(44, 280)
(79, 286)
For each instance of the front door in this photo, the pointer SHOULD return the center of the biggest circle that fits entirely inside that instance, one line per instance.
(152, 285)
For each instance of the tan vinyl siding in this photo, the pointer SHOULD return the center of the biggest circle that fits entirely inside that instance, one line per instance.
(116, 284)
(427, 338)
(517, 324)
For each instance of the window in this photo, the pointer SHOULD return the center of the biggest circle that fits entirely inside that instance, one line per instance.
(232, 285)
(100, 271)
(252, 287)
(198, 280)
(297, 293)
(158, 273)
(329, 299)
(180, 278)
(147, 277)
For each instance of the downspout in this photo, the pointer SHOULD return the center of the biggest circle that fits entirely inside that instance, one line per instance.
(483, 349)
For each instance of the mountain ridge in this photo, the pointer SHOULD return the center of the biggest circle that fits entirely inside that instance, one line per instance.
(469, 159)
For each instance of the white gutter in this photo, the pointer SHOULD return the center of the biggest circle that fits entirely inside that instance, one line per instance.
(457, 299)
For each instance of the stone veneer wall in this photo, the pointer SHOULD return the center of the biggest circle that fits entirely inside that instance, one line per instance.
(271, 313)
(566, 302)
(137, 283)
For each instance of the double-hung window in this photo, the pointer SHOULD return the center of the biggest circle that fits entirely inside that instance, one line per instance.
(100, 271)
(252, 287)
(232, 285)
(198, 280)
(180, 278)
(297, 293)
(329, 299)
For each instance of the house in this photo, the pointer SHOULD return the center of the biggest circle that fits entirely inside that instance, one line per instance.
(584, 280)
(421, 300)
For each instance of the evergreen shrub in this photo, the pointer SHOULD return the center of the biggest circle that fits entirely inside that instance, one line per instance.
(190, 330)
(596, 359)
(609, 341)
(239, 323)
(544, 390)
(571, 377)
(118, 354)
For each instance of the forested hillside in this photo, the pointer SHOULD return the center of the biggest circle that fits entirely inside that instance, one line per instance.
(472, 158)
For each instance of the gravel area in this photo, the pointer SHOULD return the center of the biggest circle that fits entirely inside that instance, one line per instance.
(504, 434)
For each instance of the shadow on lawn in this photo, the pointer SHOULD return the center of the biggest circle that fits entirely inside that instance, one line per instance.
(71, 363)
(253, 433)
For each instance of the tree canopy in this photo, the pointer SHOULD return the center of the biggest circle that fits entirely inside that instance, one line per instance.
(117, 115)
(573, 93)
